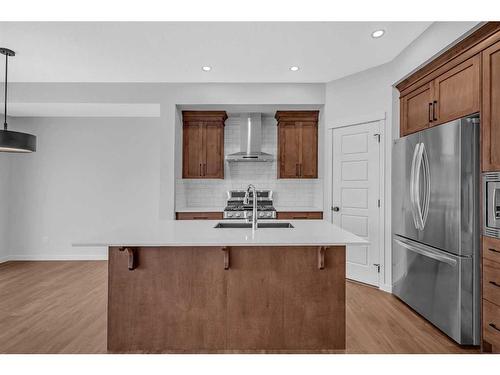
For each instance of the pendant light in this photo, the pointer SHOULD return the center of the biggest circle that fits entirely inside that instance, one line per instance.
(13, 141)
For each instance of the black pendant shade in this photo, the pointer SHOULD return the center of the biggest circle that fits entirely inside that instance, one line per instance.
(13, 141)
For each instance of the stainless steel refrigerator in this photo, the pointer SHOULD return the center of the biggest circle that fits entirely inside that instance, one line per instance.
(435, 226)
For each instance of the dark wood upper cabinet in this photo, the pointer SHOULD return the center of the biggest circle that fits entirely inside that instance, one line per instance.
(203, 144)
(457, 92)
(453, 94)
(490, 111)
(416, 110)
(297, 144)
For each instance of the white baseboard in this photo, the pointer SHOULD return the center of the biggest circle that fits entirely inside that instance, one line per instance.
(385, 288)
(42, 257)
(5, 258)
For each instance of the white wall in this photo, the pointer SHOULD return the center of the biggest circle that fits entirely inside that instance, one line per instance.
(88, 175)
(92, 174)
(4, 205)
(370, 95)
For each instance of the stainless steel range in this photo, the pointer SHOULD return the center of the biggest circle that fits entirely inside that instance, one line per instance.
(236, 209)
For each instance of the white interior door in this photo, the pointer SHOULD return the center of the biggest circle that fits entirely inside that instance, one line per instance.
(356, 195)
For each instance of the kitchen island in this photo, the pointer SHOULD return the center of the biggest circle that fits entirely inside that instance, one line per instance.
(187, 287)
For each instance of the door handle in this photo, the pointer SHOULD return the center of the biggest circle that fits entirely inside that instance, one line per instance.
(412, 186)
(434, 104)
(430, 112)
(336, 209)
(422, 250)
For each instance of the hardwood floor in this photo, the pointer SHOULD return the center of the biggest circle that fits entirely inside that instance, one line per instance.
(60, 307)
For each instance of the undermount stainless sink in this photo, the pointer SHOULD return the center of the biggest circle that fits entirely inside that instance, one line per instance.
(249, 225)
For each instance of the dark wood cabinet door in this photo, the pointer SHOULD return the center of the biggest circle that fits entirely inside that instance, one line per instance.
(297, 144)
(490, 112)
(314, 299)
(457, 92)
(255, 298)
(289, 150)
(309, 149)
(192, 165)
(416, 110)
(213, 150)
(174, 300)
(203, 144)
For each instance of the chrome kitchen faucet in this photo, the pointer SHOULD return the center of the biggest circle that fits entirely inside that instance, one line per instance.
(246, 200)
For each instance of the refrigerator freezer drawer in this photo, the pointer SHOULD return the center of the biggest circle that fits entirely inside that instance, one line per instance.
(437, 285)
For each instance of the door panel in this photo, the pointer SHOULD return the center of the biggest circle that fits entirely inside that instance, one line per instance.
(213, 150)
(355, 191)
(437, 285)
(289, 149)
(452, 153)
(457, 91)
(490, 113)
(403, 150)
(309, 152)
(192, 150)
(174, 308)
(415, 110)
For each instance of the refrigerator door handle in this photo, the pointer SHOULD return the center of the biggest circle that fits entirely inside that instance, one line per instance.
(418, 206)
(412, 185)
(425, 251)
(427, 181)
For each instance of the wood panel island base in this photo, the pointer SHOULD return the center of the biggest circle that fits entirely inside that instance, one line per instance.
(218, 299)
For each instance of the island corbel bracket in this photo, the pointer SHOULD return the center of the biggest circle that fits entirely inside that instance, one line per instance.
(225, 249)
(132, 263)
(321, 257)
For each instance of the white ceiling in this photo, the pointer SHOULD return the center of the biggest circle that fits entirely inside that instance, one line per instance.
(176, 51)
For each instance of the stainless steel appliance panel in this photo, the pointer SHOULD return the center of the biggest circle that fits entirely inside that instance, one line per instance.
(437, 285)
(435, 184)
(491, 204)
(403, 218)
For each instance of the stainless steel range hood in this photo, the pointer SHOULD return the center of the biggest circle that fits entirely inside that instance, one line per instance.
(250, 140)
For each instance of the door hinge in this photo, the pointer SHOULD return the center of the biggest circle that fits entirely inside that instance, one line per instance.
(378, 137)
(378, 267)
(378, 203)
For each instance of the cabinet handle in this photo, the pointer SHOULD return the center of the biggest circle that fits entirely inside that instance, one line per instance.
(430, 111)
(201, 174)
(434, 118)
(300, 169)
(494, 283)
(200, 218)
(493, 325)
(297, 171)
(300, 217)
(495, 251)
(226, 257)
(205, 169)
(321, 257)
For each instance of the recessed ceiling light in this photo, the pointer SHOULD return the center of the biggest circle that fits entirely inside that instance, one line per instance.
(378, 33)
(206, 68)
(294, 68)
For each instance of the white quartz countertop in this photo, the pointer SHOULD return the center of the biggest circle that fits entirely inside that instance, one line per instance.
(203, 233)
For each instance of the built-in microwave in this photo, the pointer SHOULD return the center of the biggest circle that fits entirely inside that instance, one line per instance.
(491, 204)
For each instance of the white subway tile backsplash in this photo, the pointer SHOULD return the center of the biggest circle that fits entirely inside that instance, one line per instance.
(192, 193)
